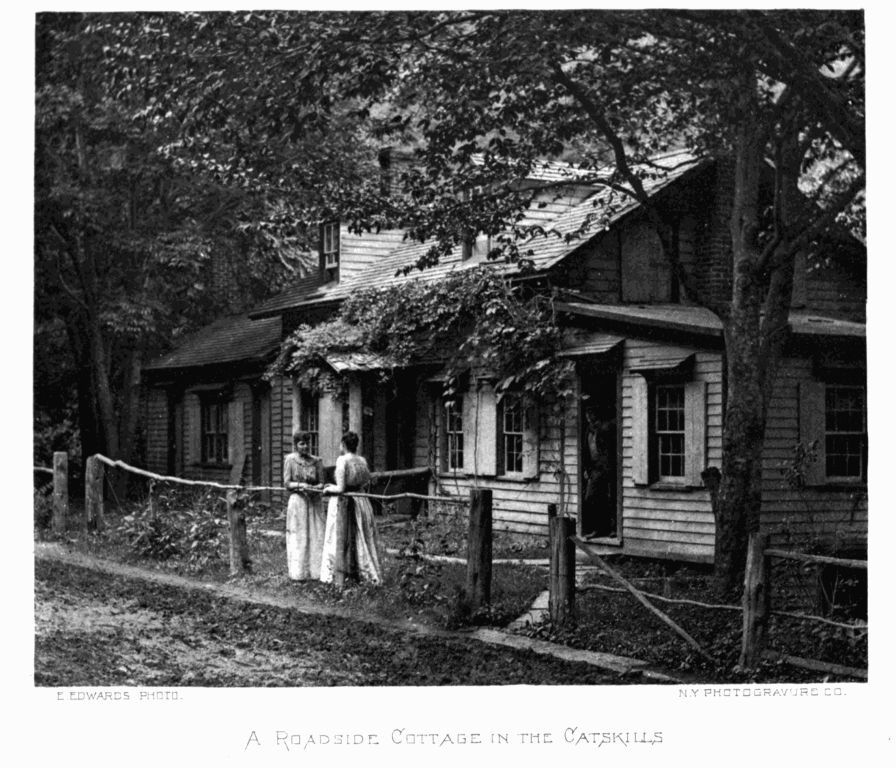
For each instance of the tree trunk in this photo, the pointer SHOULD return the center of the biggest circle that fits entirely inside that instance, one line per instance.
(756, 329)
(743, 431)
(129, 416)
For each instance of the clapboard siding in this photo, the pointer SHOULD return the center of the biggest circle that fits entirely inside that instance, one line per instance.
(812, 513)
(833, 291)
(517, 505)
(281, 428)
(156, 429)
(356, 252)
(670, 523)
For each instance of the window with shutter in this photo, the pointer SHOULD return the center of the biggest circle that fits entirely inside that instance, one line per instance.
(213, 427)
(833, 422)
(330, 244)
(453, 435)
(309, 419)
(844, 432)
(668, 430)
(517, 443)
(646, 274)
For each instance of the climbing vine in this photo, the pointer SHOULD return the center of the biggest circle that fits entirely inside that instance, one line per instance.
(473, 321)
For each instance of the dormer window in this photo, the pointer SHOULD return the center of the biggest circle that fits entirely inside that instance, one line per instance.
(329, 236)
(478, 246)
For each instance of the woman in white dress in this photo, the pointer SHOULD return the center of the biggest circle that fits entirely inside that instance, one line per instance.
(352, 474)
(305, 517)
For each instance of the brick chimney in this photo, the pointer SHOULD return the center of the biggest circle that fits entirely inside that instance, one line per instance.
(716, 245)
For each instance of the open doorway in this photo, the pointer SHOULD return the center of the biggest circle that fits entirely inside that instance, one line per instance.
(599, 456)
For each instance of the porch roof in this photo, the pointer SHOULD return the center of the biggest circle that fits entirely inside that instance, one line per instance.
(701, 321)
(359, 361)
(578, 343)
(228, 340)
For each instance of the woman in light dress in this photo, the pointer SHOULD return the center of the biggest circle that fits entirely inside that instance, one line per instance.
(305, 517)
(352, 474)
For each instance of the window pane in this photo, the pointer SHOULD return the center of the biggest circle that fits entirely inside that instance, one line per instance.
(454, 432)
(669, 427)
(513, 423)
(844, 431)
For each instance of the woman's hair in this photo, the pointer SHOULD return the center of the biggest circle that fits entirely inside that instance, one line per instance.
(300, 437)
(350, 440)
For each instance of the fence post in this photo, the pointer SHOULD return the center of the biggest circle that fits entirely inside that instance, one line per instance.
(562, 579)
(93, 494)
(479, 549)
(346, 565)
(239, 542)
(60, 491)
(756, 602)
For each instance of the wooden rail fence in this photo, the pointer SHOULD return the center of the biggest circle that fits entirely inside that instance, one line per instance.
(757, 607)
(756, 602)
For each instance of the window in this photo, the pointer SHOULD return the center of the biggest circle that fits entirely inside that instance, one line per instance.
(844, 432)
(669, 431)
(309, 421)
(513, 433)
(478, 246)
(330, 244)
(833, 422)
(454, 436)
(214, 432)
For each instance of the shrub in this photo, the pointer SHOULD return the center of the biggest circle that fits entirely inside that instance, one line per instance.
(152, 535)
(175, 522)
(43, 506)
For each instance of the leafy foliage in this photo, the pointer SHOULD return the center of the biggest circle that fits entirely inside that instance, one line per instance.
(472, 321)
(43, 506)
(173, 523)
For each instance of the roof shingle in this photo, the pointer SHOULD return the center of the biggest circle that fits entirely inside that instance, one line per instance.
(228, 340)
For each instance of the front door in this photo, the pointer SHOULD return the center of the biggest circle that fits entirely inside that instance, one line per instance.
(599, 453)
(401, 417)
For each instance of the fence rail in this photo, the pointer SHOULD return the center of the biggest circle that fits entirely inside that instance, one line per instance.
(259, 488)
(821, 559)
(757, 606)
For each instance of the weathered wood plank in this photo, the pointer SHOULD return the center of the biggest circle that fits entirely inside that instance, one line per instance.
(93, 494)
(756, 602)
(60, 491)
(562, 571)
(479, 549)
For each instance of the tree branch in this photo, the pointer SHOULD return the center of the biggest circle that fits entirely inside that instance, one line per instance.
(817, 225)
(593, 110)
(841, 122)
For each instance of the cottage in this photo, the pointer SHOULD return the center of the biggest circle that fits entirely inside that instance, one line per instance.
(626, 457)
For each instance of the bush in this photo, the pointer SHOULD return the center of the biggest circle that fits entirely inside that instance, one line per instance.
(43, 506)
(152, 535)
(176, 523)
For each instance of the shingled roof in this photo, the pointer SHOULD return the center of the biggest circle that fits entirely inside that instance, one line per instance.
(565, 232)
(228, 340)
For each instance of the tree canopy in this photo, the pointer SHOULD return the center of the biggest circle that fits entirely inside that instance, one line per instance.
(159, 131)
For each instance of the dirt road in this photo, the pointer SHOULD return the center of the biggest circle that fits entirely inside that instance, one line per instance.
(97, 628)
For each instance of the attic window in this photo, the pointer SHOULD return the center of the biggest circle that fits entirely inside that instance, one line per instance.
(476, 246)
(329, 236)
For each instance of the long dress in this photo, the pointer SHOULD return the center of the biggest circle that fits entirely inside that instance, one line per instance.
(305, 517)
(352, 474)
